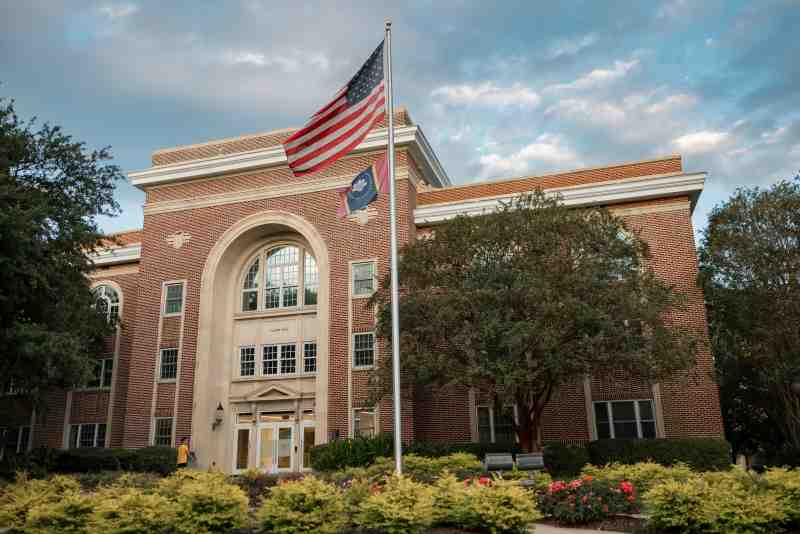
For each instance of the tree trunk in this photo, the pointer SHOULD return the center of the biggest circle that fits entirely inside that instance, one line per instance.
(529, 429)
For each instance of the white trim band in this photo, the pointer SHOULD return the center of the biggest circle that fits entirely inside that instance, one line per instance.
(410, 136)
(629, 190)
(112, 256)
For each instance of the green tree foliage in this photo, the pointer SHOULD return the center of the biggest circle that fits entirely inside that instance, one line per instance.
(51, 191)
(750, 270)
(529, 298)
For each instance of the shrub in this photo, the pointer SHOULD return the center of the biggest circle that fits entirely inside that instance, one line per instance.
(418, 468)
(205, 502)
(702, 454)
(786, 484)
(779, 457)
(131, 511)
(69, 514)
(643, 475)
(586, 499)
(307, 505)
(19, 498)
(401, 506)
(433, 449)
(350, 452)
(255, 483)
(564, 460)
(721, 503)
(37, 463)
(154, 460)
(88, 460)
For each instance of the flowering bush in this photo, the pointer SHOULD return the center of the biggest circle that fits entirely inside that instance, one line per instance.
(586, 499)
(642, 475)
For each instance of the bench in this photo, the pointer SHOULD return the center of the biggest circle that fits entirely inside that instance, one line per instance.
(530, 461)
(498, 461)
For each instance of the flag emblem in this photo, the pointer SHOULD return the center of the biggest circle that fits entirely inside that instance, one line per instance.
(343, 123)
(364, 188)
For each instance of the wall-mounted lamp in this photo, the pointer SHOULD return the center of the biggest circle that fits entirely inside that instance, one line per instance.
(219, 413)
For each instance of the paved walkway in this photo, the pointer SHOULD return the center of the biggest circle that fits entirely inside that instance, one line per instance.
(547, 529)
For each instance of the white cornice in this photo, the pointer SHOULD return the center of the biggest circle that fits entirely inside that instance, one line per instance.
(113, 256)
(405, 136)
(605, 193)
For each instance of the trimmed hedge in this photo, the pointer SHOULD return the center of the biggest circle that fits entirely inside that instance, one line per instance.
(702, 454)
(565, 460)
(42, 461)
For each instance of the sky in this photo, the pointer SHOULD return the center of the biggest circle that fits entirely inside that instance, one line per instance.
(500, 89)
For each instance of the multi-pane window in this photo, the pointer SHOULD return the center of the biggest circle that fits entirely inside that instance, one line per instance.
(290, 274)
(496, 426)
(288, 359)
(270, 359)
(102, 374)
(87, 435)
(173, 301)
(250, 288)
(282, 277)
(364, 349)
(309, 357)
(169, 364)
(14, 440)
(106, 302)
(363, 278)
(364, 422)
(625, 419)
(247, 361)
(162, 434)
(310, 280)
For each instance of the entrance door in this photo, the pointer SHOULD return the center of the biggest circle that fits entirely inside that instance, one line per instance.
(276, 447)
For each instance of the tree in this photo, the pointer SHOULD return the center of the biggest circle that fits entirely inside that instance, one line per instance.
(51, 191)
(527, 299)
(750, 270)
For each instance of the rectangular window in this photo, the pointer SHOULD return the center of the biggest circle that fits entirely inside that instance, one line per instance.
(625, 419)
(173, 301)
(364, 422)
(100, 436)
(270, 360)
(87, 435)
(169, 364)
(310, 357)
(102, 374)
(364, 350)
(288, 359)
(24, 439)
(363, 278)
(162, 437)
(242, 448)
(310, 280)
(247, 361)
(496, 426)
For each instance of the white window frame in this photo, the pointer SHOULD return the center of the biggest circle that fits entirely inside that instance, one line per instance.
(102, 288)
(79, 429)
(281, 288)
(636, 414)
(370, 410)
(261, 277)
(239, 352)
(374, 265)
(492, 436)
(279, 360)
(165, 301)
(256, 288)
(161, 364)
(104, 362)
(171, 431)
(374, 351)
(316, 358)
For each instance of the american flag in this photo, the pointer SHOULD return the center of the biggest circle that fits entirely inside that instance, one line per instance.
(343, 123)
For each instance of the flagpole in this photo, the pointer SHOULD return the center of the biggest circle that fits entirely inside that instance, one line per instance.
(398, 438)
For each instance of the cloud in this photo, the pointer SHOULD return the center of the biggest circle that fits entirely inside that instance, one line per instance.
(550, 149)
(599, 77)
(570, 47)
(600, 113)
(488, 94)
(118, 11)
(700, 142)
(292, 62)
(671, 103)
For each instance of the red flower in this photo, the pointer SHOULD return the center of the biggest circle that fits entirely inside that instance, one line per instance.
(485, 481)
(605, 509)
(626, 487)
(588, 478)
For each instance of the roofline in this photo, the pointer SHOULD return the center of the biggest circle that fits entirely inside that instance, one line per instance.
(117, 255)
(597, 194)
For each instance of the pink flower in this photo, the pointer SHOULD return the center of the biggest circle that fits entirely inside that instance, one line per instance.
(485, 481)
(626, 487)
(556, 486)
(575, 484)
(605, 508)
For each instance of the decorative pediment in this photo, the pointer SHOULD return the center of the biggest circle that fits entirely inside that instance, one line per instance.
(274, 392)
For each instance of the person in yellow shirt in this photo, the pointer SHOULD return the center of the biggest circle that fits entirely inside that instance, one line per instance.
(183, 454)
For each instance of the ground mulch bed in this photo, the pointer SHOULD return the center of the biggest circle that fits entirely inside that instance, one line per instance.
(631, 525)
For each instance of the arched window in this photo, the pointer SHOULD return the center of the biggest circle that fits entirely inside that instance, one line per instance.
(106, 301)
(290, 275)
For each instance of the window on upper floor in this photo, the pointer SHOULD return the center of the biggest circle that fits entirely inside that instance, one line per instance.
(630, 419)
(363, 278)
(290, 278)
(496, 426)
(169, 364)
(102, 375)
(87, 435)
(106, 301)
(364, 349)
(173, 300)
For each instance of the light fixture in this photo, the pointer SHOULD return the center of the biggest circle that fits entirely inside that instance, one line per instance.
(219, 413)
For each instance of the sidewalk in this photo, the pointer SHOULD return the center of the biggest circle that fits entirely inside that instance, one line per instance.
(547, 529)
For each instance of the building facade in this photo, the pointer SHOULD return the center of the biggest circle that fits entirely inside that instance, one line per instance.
(244, 317)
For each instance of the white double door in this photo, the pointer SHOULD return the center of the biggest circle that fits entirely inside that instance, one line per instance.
(277, 447)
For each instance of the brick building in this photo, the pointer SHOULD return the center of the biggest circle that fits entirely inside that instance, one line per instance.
(244, 322)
